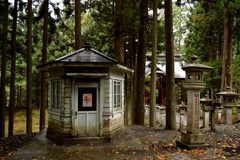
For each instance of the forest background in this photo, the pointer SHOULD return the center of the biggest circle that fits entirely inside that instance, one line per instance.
(199, 28)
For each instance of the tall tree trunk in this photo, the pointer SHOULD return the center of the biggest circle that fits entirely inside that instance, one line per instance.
(153, 66)
(13, 72)
(119, 41)
(227, 49)
(44, 61)
(141, 58)
(170, 81)
(3, 70)
(130, 109)
(29, 68)
(77, 24)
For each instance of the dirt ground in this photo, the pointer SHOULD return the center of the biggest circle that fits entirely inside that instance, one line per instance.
(136, 142)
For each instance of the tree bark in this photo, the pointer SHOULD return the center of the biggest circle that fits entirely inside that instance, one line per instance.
(13, 72)
(170, 81)
(44, 61)
(119, 41)
(29, 68)
(3, 70)
(227, 49)
(77, 24)
(153, 66)
(132, 47)
(141, 58)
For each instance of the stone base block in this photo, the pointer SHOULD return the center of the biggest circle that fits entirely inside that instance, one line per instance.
(193, 138)
(191, 146)
(192, 141)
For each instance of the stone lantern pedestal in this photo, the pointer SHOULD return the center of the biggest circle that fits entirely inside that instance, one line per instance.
(228, 102)
(192, 138)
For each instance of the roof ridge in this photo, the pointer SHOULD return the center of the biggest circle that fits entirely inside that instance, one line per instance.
(69, 54)
(105, 56)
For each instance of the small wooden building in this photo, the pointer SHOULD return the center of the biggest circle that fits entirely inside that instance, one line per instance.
(85, 96)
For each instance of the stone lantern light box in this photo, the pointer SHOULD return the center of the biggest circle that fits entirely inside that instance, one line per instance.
(86, 96)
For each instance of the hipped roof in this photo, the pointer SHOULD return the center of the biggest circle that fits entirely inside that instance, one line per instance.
(84, 57)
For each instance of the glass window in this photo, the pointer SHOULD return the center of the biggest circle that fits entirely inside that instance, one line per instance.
(117, 94)
(55, 92)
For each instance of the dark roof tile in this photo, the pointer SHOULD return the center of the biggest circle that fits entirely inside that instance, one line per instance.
(86, 55)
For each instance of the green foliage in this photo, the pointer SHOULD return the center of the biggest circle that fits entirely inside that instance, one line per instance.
(236, 73)
(205, 37)
(205, 28)
(213, 79)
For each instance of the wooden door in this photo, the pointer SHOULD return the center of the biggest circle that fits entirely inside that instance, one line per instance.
(87, 111)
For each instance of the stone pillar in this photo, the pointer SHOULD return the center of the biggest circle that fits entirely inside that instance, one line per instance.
(182, 110)
(212, 119)
(228, 115)
(206, 118)
(219, 115)
(238, 110)
(162, 118)
(158, 116)
(206, 108)
(192, 138)
(212, 113)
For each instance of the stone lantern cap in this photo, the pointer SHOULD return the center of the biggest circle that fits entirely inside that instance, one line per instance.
(228, 98)
(205, 99)
(182, 108)
(195, 66)
(182, 105)
(207, 104)
(228, 93)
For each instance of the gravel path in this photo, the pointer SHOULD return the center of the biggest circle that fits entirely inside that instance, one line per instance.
(136, 142)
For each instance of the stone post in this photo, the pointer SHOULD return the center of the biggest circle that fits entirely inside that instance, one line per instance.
(207, 108)
(147, 111)
(212, 113)
(206, 117)
(238, 110)
(192, 138)
(182, 110)
(162, 114)
(227, 115)
(228, 102)
(219, 116)
(158, 116)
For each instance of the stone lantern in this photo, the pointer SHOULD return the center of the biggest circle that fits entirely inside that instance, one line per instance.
(192, 138)
(228, 102)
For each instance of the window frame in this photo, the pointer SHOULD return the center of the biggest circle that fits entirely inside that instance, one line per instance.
(55, 95)
(117, 94)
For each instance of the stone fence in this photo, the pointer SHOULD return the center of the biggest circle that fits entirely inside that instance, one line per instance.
(211, 113)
